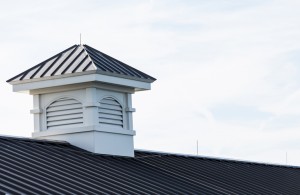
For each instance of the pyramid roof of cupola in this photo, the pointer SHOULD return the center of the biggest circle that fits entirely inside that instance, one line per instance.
(81, 59)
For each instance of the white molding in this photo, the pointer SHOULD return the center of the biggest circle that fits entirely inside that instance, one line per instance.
(83, 129)
(91, 104)
(36, 111)
(130, 109)
(77, 86)
(39, 84)
(81, 73)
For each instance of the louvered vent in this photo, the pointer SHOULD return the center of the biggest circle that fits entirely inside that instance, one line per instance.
(64, 112)
(110, 112)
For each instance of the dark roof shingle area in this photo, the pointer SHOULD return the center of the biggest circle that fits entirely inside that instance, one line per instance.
(30, 166)
(78, 59)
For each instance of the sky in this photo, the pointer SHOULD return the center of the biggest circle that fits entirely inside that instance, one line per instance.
(227, 70)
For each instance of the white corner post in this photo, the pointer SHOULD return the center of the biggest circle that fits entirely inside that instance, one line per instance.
(91, 107)
(36, 111)
(129, 110)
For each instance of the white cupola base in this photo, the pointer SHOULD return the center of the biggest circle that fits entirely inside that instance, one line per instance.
(96, 140)
(95, 117)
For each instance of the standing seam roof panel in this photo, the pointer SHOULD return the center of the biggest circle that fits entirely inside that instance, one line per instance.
(76, 57)
(193, 173)
(248, 173)
(51, 170)
(84, 183)
(28, 165)
(99, 173)
(69, 61)
(106, 167)
(65, 60)
(39, 65)
(127, 70)
(102, 64)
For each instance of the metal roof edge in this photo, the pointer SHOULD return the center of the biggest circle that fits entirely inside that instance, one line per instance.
(216, 158)
(79, 74)
(54, 77)
(124, 76)
(33, 139)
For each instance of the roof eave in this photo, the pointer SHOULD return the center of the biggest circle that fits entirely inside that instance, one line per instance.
(77, 78)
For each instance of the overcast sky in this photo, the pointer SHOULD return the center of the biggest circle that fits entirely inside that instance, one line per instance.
(228, 72)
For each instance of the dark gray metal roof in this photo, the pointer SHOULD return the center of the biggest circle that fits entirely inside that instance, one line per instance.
(31, 166)
(81, 58)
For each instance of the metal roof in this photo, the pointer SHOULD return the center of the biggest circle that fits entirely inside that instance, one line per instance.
(81, 58)
(30, 166)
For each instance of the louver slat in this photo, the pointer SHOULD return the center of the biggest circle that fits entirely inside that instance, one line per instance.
(64, 102)
(65, 122)
(111, 107)
(63, 117)
(110, 101)
(110, 112)
(64, 107)
(65, 112)
(112, 122)
(110, 116)
(114, 112)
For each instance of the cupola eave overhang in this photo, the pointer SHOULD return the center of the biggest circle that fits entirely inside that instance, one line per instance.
(80, 78)
(80, 64)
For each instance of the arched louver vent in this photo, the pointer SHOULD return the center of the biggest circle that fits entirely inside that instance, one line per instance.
(64, 112)
(110, 112)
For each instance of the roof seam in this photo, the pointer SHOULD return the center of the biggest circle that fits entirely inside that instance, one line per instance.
(185, 178)
(57, 68)
(40, 64)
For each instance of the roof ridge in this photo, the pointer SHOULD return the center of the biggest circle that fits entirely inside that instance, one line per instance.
(122, 63)
(85, 51)
(33, 139)
(161, 153)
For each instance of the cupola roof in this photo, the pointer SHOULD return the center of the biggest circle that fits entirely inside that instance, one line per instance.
(81, 59)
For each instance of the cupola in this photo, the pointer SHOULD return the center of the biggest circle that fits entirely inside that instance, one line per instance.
(83, 96)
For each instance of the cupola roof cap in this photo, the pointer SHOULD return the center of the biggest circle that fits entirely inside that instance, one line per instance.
(80, 59)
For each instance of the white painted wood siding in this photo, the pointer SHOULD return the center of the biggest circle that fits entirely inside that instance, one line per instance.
(64, 112)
